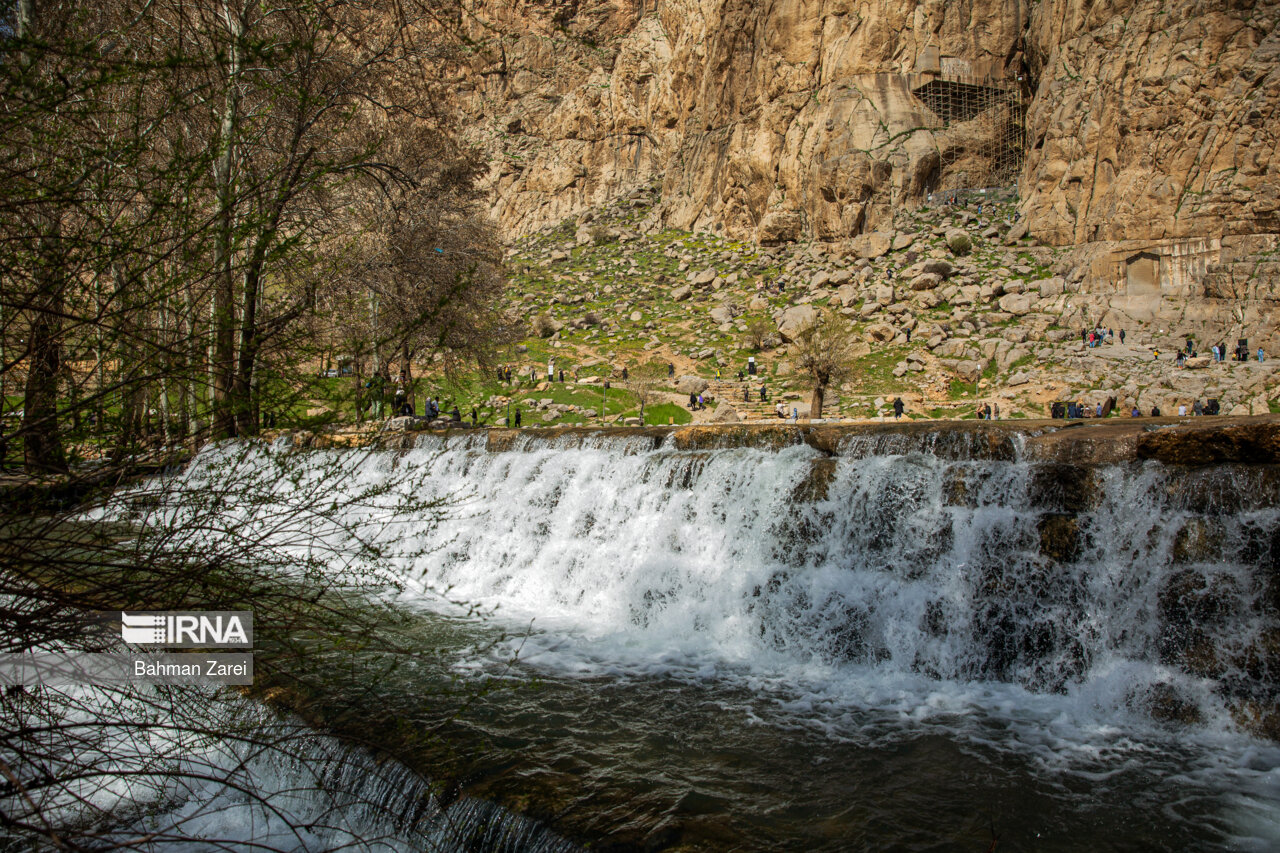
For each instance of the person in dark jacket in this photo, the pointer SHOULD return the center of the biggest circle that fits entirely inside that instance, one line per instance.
(898, 407)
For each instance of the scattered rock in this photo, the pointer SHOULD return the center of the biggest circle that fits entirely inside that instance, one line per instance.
(880, 332)
(874, 244)
(958, 241)
(1017, 304)
(691, 384)
(796, 320)
(926, 281)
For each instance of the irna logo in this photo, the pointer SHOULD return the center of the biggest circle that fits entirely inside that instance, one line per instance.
(188, 629)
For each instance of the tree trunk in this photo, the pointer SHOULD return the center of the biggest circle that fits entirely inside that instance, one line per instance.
(407, 369)
(223, 356)
(815, 402)
(42, 444)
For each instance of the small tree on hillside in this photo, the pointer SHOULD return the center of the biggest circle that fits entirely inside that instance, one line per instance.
(825, 352)
(643, 384)
(760, 333)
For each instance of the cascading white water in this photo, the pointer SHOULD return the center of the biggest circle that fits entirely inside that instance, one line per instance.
(1050, 578)
(1083, 613)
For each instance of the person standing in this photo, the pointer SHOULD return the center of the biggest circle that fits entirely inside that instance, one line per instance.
(898, 407)
(1259, 355)
(1122, 337)
(517, 418)
(1182, 410)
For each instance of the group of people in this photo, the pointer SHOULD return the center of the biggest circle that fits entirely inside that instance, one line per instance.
(1073, 409)
(1218, 352)
(986, 412)
(1212, 407)
(1099, 336)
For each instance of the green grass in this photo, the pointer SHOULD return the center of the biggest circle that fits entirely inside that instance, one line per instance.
(873, 373)
(658, 414)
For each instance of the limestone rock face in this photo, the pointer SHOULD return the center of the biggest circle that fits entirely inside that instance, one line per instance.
(1153, 120)
(780, 120)
(810, 119)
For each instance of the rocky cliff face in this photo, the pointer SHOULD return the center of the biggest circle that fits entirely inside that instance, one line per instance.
(773, 121)
(1153, 120)
(813, 118)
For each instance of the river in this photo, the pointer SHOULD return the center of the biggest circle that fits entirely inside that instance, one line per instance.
(911, 644)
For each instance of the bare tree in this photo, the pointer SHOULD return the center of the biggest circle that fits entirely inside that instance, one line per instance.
(644, 383)
(825, 352)
(760, 333)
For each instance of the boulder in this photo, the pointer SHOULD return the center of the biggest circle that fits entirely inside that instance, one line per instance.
(926, 281)
(720, 314)
(796, 320)
(725, 414)
(847, 294)
(1017, 304)
(704, 277)
(873, 244)
(969, 371)
(880, 332)
(902, 240)
(1055, 286)
(958, 241)
(939, 266)
(682, 293)
(691, 384)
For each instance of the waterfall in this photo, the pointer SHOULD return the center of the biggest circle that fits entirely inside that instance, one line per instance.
(1105, 632)
(932, 557)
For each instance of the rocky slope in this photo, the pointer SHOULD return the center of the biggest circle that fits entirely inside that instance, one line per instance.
(1151, 131)
(952, 308)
